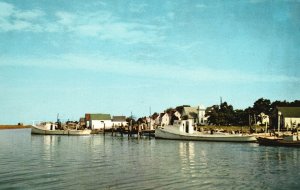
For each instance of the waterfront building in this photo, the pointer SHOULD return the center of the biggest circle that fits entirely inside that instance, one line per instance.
(82, 122)
(150, 123)
(155, 118)
(98, 121)
(196, 114)
(164, 119)
(289, 117)
(264, 119)
(118, 121)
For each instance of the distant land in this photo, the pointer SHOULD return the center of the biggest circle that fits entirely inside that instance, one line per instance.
(13, 126)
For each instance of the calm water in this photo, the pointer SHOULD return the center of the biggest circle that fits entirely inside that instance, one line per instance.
(97, 162)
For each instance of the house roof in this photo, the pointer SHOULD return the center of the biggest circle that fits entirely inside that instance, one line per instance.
(191, 112)
(154, 116)
(162, 114)
(100, 116)
(289, 111)
(119, 118)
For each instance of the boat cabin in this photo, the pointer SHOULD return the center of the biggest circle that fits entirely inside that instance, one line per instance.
(185, 126)
(49, 125)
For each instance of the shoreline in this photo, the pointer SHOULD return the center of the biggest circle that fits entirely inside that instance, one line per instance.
(3, 127)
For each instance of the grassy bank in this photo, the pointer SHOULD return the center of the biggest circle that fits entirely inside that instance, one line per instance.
(14, 126)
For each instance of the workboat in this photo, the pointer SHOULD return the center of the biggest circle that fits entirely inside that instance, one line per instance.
(290, 141)
(183, 130)
(49, 128)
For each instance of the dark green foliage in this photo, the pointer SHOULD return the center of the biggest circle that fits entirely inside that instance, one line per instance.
(262, 106)
(226, 115)
(223, 115)
(241, 118)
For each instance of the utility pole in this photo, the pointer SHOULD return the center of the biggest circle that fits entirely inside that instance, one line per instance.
(279, 114)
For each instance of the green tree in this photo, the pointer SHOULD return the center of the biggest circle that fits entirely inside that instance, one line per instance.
(262, 106)
(221, 115)
(241, 117)
(213, 115)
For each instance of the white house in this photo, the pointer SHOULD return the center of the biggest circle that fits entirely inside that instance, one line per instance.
(289, 116)
(150, 123)
(195, 114)
(202, 120)
(156, 119)
(264, 119)
(98, 121)
(177, 114)
(164, 119)
(118, 121)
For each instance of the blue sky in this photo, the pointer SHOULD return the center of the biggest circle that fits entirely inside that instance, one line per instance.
(76, 57)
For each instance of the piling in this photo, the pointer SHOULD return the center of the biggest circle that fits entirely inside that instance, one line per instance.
(138, 131)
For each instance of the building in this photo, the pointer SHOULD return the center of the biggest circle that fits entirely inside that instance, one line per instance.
(164, 119)
(150, 123)
(156, 119)
(82, 122)
(289, 117)
(264, 119)
(174, 115)
(196, 114)
(118, 121)
(98, 121)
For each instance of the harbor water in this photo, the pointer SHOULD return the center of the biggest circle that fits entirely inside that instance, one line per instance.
(105, 162)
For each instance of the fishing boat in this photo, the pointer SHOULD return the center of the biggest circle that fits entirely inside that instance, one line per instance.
(290, 141)
(49, 128)
(183, 130)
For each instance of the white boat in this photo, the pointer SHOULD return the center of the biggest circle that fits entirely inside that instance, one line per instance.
(48, 128)
(183, 130)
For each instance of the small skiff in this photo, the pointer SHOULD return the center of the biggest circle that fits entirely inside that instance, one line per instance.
(290, 141)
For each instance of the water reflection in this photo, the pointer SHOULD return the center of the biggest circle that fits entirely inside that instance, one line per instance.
(98, 162)
(187, 156)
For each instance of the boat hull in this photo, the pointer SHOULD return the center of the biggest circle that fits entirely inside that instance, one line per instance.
(277, 142)
(41, 131)
(163, 133)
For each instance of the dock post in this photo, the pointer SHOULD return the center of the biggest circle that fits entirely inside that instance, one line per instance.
(128, 130)
(279, 114)
(138, 132)
(130, 127)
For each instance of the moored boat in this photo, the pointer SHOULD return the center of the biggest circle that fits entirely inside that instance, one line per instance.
(48, 128)
(183, 130)
(290, 141)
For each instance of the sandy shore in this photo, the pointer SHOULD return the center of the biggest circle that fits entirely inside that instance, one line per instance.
(14, 126)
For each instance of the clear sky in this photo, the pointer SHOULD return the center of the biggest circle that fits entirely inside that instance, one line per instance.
(118, 56)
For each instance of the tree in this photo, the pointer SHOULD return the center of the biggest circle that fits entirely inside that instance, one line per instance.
(295, 103)
(278, 103)
(213, 115)
(262, 106)
(241, 117)
(223, 115)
